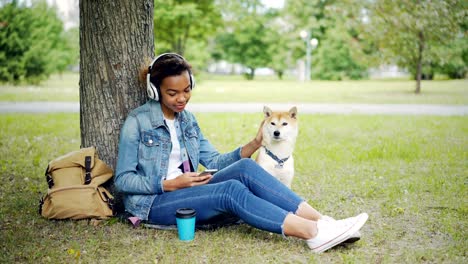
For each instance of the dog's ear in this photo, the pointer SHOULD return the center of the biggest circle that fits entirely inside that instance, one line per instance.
(267, 111)
(293, 112)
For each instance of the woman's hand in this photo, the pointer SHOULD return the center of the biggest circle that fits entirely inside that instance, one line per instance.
(188, 179)
(253, 145)
(259, 137)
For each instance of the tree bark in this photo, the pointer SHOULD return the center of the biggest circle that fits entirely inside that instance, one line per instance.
(421, 45)
(116, 37)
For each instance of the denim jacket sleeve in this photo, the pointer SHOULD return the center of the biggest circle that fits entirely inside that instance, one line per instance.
(128, 179)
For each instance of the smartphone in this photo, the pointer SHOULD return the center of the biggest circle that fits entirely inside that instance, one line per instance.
(208, 171)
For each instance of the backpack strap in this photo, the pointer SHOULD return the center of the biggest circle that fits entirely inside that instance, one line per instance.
(88, 170)
(49, 179)
(109, 201)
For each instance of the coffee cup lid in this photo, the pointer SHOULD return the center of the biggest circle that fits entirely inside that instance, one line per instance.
(185, 213)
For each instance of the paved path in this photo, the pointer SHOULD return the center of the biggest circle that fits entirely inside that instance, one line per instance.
(386, 109)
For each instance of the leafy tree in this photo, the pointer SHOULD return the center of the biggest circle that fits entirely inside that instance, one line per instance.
(68, 52)
(340, 50)
(306, 15)
(245, 40)
(12, 44)
(309, 15)
(247, 45)
(279, 53)
(455, 61)
(185, 25)
(31, 42)
(343, 52)
(278, 44)
(334, 60)
(453, 58)
(407, 32)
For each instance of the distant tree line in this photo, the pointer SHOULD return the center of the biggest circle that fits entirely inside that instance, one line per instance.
(424, 37)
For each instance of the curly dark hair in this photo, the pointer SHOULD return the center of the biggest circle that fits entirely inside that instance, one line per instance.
(167, 65)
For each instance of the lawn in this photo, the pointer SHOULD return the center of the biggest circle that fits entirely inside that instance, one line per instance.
(228, 89)
(57, 88)
(409, 173)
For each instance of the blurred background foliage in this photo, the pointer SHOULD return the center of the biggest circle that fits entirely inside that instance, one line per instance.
(353, 37)
(33, 42)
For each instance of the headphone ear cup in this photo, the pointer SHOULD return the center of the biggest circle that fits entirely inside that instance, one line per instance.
(155, 92)
(151, 89)
(192, 81)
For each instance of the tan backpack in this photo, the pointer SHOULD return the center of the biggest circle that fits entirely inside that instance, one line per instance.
(75, 190)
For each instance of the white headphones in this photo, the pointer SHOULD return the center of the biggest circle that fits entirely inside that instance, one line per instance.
(151, 89)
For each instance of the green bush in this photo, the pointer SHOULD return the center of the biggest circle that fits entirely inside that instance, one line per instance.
(32, 43)
(335, 59)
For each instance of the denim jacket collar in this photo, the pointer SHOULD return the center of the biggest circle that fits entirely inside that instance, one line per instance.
(157, 116)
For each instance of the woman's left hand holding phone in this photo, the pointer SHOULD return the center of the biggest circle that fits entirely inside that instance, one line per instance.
(188, 179)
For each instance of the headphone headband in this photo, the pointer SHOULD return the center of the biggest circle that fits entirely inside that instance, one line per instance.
(151, 89)
(165, 54)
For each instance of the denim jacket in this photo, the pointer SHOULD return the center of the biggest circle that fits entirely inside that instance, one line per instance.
(144, 150)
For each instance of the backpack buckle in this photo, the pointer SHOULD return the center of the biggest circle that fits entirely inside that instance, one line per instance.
(88, 170)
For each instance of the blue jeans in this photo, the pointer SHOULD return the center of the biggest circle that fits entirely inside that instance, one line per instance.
(243, 189)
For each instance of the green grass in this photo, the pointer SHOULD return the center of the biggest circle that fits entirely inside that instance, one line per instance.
(58, 88)
(409, 173)
(235, 89)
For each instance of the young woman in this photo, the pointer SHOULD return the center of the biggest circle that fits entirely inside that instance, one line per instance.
(161, 146)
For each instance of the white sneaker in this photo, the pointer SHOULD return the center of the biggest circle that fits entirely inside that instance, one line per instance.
(330, 234)
(353, 238)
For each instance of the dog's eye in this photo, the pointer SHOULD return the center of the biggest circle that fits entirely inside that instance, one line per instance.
(273, 123)
(285, 124)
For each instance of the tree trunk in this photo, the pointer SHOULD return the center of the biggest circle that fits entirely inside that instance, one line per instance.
(116, 37)
(250, 75)
(280, 74)
(419, 62)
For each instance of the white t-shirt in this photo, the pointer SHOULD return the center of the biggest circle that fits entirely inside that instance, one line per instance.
(175, 160)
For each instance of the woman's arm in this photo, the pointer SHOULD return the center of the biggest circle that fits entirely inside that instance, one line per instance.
(210, 158)
(249, 149)
(188, 179)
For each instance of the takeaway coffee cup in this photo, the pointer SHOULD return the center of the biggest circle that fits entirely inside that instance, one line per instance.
(185, 218)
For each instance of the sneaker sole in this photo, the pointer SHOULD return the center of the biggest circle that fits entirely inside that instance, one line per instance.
(351, 239)
(361, 220)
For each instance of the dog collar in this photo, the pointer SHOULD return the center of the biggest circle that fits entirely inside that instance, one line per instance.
(273, 156)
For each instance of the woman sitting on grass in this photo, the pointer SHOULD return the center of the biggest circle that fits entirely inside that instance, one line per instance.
(161, 146)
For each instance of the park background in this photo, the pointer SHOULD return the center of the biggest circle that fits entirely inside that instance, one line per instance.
(409, 172)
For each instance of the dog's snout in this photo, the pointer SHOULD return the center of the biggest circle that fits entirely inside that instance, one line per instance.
(276, 133)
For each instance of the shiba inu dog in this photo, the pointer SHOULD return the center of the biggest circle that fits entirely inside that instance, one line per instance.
(279, 138)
